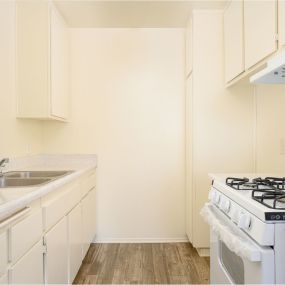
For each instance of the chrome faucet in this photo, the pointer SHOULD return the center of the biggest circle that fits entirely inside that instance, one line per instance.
(3, 164)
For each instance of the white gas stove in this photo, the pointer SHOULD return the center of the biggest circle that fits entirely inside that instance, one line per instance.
(246, 214)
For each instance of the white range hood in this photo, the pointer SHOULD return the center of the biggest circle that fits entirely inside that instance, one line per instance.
(274, 73)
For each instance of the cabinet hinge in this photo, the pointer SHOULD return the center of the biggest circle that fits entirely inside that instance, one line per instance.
(277, 37)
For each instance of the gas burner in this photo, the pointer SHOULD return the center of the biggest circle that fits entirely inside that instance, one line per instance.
(235, 182)
(279, 183)
(268, 191)
(245, 184)
(270, 198)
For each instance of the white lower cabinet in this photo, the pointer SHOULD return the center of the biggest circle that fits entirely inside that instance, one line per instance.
(4, 279)
(25, 234)
(88, 220)
(33, 254)
(29, 269)
(74, 242)
(4, 252)
(56, 256)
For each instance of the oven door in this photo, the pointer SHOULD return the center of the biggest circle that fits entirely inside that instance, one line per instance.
(235, 257)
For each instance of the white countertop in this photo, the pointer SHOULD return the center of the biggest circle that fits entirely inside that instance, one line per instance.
(16, 198)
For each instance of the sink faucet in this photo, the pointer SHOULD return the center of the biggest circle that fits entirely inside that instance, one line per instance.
(3, 163)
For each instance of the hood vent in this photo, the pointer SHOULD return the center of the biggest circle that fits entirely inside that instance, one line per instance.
(274, 73)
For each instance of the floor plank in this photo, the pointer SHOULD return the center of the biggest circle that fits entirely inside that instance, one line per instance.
(134, 263)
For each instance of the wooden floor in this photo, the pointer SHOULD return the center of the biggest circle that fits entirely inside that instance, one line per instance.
(164, 263)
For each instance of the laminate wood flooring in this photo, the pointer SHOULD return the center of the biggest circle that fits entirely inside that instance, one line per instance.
(147, 263)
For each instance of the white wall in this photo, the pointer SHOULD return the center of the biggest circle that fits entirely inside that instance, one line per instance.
(270, 131)
(18, 137)
(223, 131)
(128, 107)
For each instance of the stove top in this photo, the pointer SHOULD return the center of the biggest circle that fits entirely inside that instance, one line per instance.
(268, 191)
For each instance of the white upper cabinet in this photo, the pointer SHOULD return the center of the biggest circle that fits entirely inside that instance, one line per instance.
(42, 61)
(189, 48)
(233, 40)
(59, 65)
(281, 22)
(260, 29)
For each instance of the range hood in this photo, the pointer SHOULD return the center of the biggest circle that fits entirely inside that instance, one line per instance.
(274, 73)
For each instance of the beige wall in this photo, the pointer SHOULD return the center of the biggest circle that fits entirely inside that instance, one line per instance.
(18, 137)
(270, 129)
(128, 107)
(223, 118)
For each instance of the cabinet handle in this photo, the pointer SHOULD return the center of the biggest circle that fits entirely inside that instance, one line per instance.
(14, 217)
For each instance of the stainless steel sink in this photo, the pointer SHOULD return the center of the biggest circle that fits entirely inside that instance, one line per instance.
(35, 174)
(22, 182)
(29, 178)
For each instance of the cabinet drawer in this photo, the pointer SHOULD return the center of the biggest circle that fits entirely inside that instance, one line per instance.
(60, 205)
(4, 279)
(29, 269)
(4, 252)
(88, 183)
(25, 234)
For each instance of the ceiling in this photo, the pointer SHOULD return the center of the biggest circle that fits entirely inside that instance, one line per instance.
(131, 14)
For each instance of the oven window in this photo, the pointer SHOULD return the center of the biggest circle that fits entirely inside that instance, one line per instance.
(232, 263)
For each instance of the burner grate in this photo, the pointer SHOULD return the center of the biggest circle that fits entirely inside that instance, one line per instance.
(236, 183)
(245, 184)
(279, 183)
(268, 191)
(264, 197)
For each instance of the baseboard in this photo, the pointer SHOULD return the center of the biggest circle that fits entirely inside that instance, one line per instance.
(203, 252)
(140, 240)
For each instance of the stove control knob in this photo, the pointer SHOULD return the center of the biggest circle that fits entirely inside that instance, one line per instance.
(217, 198)
(225, 205)
(211, 195)
(244, 221)
(235, 216)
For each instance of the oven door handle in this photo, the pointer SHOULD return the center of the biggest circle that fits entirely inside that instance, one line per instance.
(234, 239)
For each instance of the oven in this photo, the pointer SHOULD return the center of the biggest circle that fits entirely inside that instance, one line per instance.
(235, 257)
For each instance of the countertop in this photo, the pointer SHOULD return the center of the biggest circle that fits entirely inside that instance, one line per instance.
(16, 198)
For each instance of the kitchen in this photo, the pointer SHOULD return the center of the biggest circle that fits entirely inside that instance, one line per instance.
(141, 101)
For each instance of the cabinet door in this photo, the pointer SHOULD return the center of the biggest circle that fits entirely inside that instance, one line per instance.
(59, 65)
(74, 241)
(88, 220)
(29, 269)
(233, 40)
(260, 21)
(189, 47)
(4, 279)
(56, 256)
(189, 156)
(281, 22)
(4, 252)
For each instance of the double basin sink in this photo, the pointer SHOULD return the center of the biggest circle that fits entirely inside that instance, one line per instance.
(29, 178)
